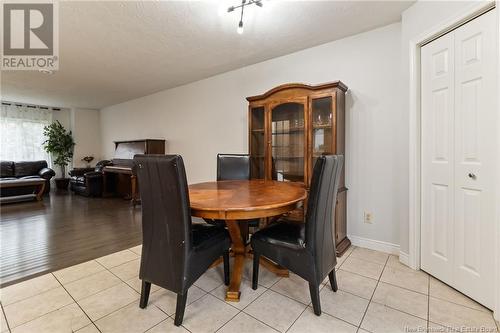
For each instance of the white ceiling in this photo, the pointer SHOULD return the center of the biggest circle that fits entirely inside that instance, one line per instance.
(111, 52)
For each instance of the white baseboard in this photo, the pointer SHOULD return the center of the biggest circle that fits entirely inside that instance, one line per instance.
(404, 258)
(377, 245)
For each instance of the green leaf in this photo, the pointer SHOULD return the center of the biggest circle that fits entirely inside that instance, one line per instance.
(59, 142)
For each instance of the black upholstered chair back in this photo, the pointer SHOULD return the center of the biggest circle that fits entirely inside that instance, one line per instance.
(233, 167)
(166, 220)
(320, 228)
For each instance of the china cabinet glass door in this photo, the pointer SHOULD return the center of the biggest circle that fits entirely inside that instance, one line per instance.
(257, 142)
(322, 127)
(288, 142)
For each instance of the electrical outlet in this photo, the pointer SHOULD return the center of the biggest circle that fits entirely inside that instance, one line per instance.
(368, 217)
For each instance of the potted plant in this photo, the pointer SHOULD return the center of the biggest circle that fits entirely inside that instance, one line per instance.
(60, 144)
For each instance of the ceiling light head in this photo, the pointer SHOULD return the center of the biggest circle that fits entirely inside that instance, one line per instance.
(240, 27)
(244, 4)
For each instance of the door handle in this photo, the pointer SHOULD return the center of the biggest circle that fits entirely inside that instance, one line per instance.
(472, 176)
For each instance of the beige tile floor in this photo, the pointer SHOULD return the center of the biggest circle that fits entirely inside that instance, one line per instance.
(376, 294)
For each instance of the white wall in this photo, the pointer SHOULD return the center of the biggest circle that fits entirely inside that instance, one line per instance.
(63, 116)
(87, 135)
(206, 117)
(85, 127)
(417, 19)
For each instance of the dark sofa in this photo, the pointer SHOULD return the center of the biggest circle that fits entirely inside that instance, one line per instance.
(12, 171)
(88, 181)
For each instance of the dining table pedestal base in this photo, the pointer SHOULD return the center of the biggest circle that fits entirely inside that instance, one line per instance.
(239, 252)
(236, 202)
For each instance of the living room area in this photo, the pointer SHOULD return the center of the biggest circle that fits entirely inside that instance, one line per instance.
(250, 166)
(44, 214)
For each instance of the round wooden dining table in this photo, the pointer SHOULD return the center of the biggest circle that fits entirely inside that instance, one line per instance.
(237, 200)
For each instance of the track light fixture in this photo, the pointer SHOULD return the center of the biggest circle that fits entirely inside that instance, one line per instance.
(240, 27)
(244, 3)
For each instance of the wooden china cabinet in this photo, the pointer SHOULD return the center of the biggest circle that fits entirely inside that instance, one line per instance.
(289, 127)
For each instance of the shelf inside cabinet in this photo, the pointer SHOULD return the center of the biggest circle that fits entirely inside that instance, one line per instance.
(288, 133)
(286, 146)
(329, 126)
(287, 157)
(317, 154)
(291, 130)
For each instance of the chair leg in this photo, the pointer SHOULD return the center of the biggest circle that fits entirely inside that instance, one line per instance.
(255, 275)
(333, 280)
(146, 287)
(244, 229)
(226, 267)
(314, 290)
(179, 309)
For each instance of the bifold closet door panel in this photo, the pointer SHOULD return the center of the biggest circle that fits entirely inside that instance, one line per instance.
(438, 95)
(475, 148)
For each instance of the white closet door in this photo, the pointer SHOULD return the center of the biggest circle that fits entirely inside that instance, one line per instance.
(458, 158)
(438, 95)
(475, 147)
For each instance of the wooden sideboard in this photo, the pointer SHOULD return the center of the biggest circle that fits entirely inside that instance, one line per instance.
(289, 127)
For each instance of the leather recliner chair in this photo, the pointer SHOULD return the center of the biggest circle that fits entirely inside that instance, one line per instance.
(88, 181)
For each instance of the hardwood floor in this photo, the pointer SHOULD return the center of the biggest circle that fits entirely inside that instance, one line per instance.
(61, 231)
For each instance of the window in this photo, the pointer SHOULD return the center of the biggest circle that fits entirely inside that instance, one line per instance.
(21, 132)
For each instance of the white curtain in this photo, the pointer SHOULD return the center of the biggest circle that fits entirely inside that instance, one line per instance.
(22, 132)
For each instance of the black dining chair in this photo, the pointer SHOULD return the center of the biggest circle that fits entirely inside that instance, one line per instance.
(234, 167)
(307, 249)
(175, 252)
